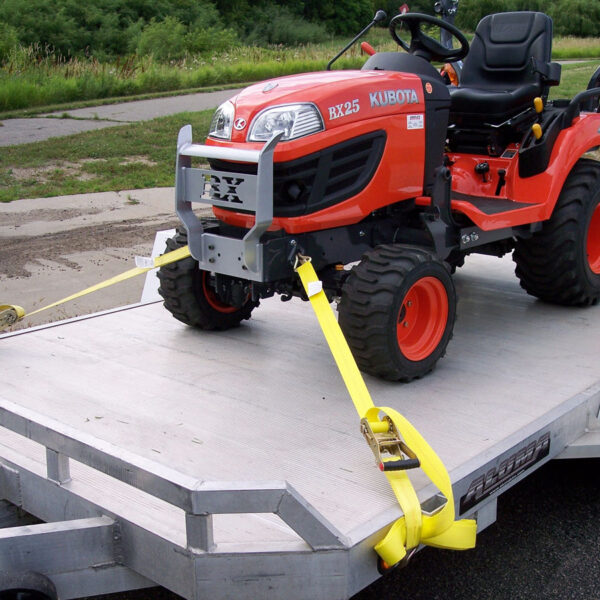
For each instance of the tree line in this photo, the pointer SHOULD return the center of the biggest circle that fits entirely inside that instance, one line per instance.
(169, 29)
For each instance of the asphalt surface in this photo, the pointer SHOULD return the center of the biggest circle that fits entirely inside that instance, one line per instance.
(60, 123)
(544, 544)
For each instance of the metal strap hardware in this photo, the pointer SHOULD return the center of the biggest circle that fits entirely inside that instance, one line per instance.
(391, 453)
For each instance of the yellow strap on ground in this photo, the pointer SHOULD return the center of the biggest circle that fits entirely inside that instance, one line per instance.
(11, 313)
(438, 529)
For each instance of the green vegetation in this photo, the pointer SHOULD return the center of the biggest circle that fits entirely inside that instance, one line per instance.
(574, 79)
(29, 81)
(110, 28)
(105, 29)
(571, 17)
(65, 51)
(134, 156)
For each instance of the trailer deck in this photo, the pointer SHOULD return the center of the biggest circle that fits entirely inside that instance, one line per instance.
(167, 427)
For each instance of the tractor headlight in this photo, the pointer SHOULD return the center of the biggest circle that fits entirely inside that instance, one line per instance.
(294, 120)
(222, 121)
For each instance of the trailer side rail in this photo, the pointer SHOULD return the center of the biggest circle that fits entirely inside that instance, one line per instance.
(199, 499)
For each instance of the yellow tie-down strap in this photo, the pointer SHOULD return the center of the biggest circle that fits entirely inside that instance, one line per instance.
(398, 446)
(11, 313)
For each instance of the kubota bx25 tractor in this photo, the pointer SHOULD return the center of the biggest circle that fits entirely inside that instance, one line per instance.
(390, 167)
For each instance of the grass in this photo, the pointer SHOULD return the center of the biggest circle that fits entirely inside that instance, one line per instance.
(27, 83)
(140, 155)
(30, 81)
(135, 156)
(565, 48)
(575, 78)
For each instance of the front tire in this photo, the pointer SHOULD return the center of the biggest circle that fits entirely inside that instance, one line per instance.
(397, 311)
(189, 296)
(561, 263)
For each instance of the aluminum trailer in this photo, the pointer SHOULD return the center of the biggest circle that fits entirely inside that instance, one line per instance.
(231, 464)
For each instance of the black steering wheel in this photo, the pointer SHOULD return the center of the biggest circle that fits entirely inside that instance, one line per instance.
(424, 45)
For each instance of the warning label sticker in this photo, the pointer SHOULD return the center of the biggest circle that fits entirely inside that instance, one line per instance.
(415, 122)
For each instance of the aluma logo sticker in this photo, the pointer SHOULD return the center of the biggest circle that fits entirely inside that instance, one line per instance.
(495, 478)
(392, 97)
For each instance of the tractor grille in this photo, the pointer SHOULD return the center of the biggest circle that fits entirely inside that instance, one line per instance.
(322, 179)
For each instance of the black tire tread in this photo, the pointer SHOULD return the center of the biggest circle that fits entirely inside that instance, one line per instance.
(364, 309)
(551, 264)
(179, 290)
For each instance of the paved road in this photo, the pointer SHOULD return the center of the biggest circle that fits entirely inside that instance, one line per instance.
(23, 131)
(544, 546)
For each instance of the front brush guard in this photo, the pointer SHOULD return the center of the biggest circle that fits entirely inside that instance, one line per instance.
(241, 258)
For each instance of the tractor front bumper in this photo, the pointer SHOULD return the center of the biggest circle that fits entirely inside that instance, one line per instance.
(241, 258)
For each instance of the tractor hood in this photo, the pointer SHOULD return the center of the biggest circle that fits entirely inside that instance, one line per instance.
(342, 97)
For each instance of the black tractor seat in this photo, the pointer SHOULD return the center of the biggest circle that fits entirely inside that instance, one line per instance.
(508, 66)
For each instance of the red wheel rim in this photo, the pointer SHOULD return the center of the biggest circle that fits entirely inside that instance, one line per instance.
(212, 298)
(593, 241)
(422, 318)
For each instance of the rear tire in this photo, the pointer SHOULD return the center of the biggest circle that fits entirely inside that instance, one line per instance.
(189, 297)
(561, 263)
(397, 311)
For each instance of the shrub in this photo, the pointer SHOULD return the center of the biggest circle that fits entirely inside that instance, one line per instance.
(576, 18)
(201, 39)
(470, 12)
(571, 17)
(9, 40)
(163, 39)
(273, 24)
(342, 17)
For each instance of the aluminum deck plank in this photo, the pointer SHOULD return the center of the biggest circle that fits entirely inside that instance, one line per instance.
(265, 401)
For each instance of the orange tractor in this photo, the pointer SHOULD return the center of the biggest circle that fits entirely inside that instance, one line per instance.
(390, 168)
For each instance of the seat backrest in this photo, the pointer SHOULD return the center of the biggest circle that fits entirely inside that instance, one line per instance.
(501, 51)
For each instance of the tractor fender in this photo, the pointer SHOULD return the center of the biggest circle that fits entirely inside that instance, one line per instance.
(571, 144)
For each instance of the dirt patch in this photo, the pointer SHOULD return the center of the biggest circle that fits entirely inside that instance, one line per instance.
(46, 215)
(142, 160)
(19, 251)
(70, 169)
(45, 173)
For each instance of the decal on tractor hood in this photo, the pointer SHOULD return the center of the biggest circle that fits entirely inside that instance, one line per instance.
(415, 121)
(391, 97)
(344, 109)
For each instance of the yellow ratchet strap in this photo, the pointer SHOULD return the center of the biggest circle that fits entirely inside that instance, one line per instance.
(397, 446)
(11, 313)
